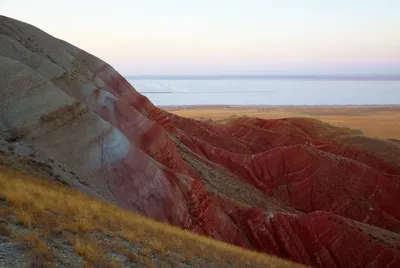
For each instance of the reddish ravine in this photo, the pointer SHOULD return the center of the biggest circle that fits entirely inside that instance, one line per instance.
(284, 187)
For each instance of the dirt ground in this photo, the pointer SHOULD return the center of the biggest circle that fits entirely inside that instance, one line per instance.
(375, 121)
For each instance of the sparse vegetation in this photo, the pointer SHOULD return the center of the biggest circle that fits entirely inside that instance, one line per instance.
(2, 212)
(40, 252)
(158, 246)
(55, 210)
(5, 230)
(86, 249)
(147, 261)
(91, 252)
(145, 251)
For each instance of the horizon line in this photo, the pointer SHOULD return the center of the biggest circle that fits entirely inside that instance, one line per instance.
(372, 77)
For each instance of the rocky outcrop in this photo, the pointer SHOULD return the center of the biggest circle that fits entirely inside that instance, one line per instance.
(284, 187)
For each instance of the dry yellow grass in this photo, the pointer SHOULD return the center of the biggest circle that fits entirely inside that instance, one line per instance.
(158, 246)
(87, 249)
(146, 251)
(55, 209)
(2, 212)
(147, 261)
(91, 252)
(41, 253)
(5, 230)
(379, 122)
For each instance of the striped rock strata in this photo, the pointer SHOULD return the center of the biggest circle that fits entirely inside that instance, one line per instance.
(283, 187)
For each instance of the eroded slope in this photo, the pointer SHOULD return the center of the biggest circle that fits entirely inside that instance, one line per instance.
(286, 187)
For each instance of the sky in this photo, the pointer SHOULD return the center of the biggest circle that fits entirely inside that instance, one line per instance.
(225, 37)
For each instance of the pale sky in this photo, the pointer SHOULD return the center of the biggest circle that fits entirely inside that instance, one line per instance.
(215, 36)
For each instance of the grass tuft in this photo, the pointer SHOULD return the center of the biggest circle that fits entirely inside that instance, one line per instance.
(5, 230)
(158, 246)
(93, 254)
(87, 250)
(3, 213)
(41, 254)
(148, 262)
(145, 251)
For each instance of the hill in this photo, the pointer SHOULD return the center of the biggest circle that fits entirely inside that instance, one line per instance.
(43, 223)
(286, 187)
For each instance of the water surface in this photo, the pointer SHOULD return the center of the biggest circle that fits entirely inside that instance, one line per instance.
(264, 91)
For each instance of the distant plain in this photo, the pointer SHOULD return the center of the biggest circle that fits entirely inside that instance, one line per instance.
(376, 121)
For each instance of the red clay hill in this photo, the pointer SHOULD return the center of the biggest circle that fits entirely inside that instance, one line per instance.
(284, 187)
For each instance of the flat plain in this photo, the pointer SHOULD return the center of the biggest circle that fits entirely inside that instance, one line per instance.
(375, 121)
